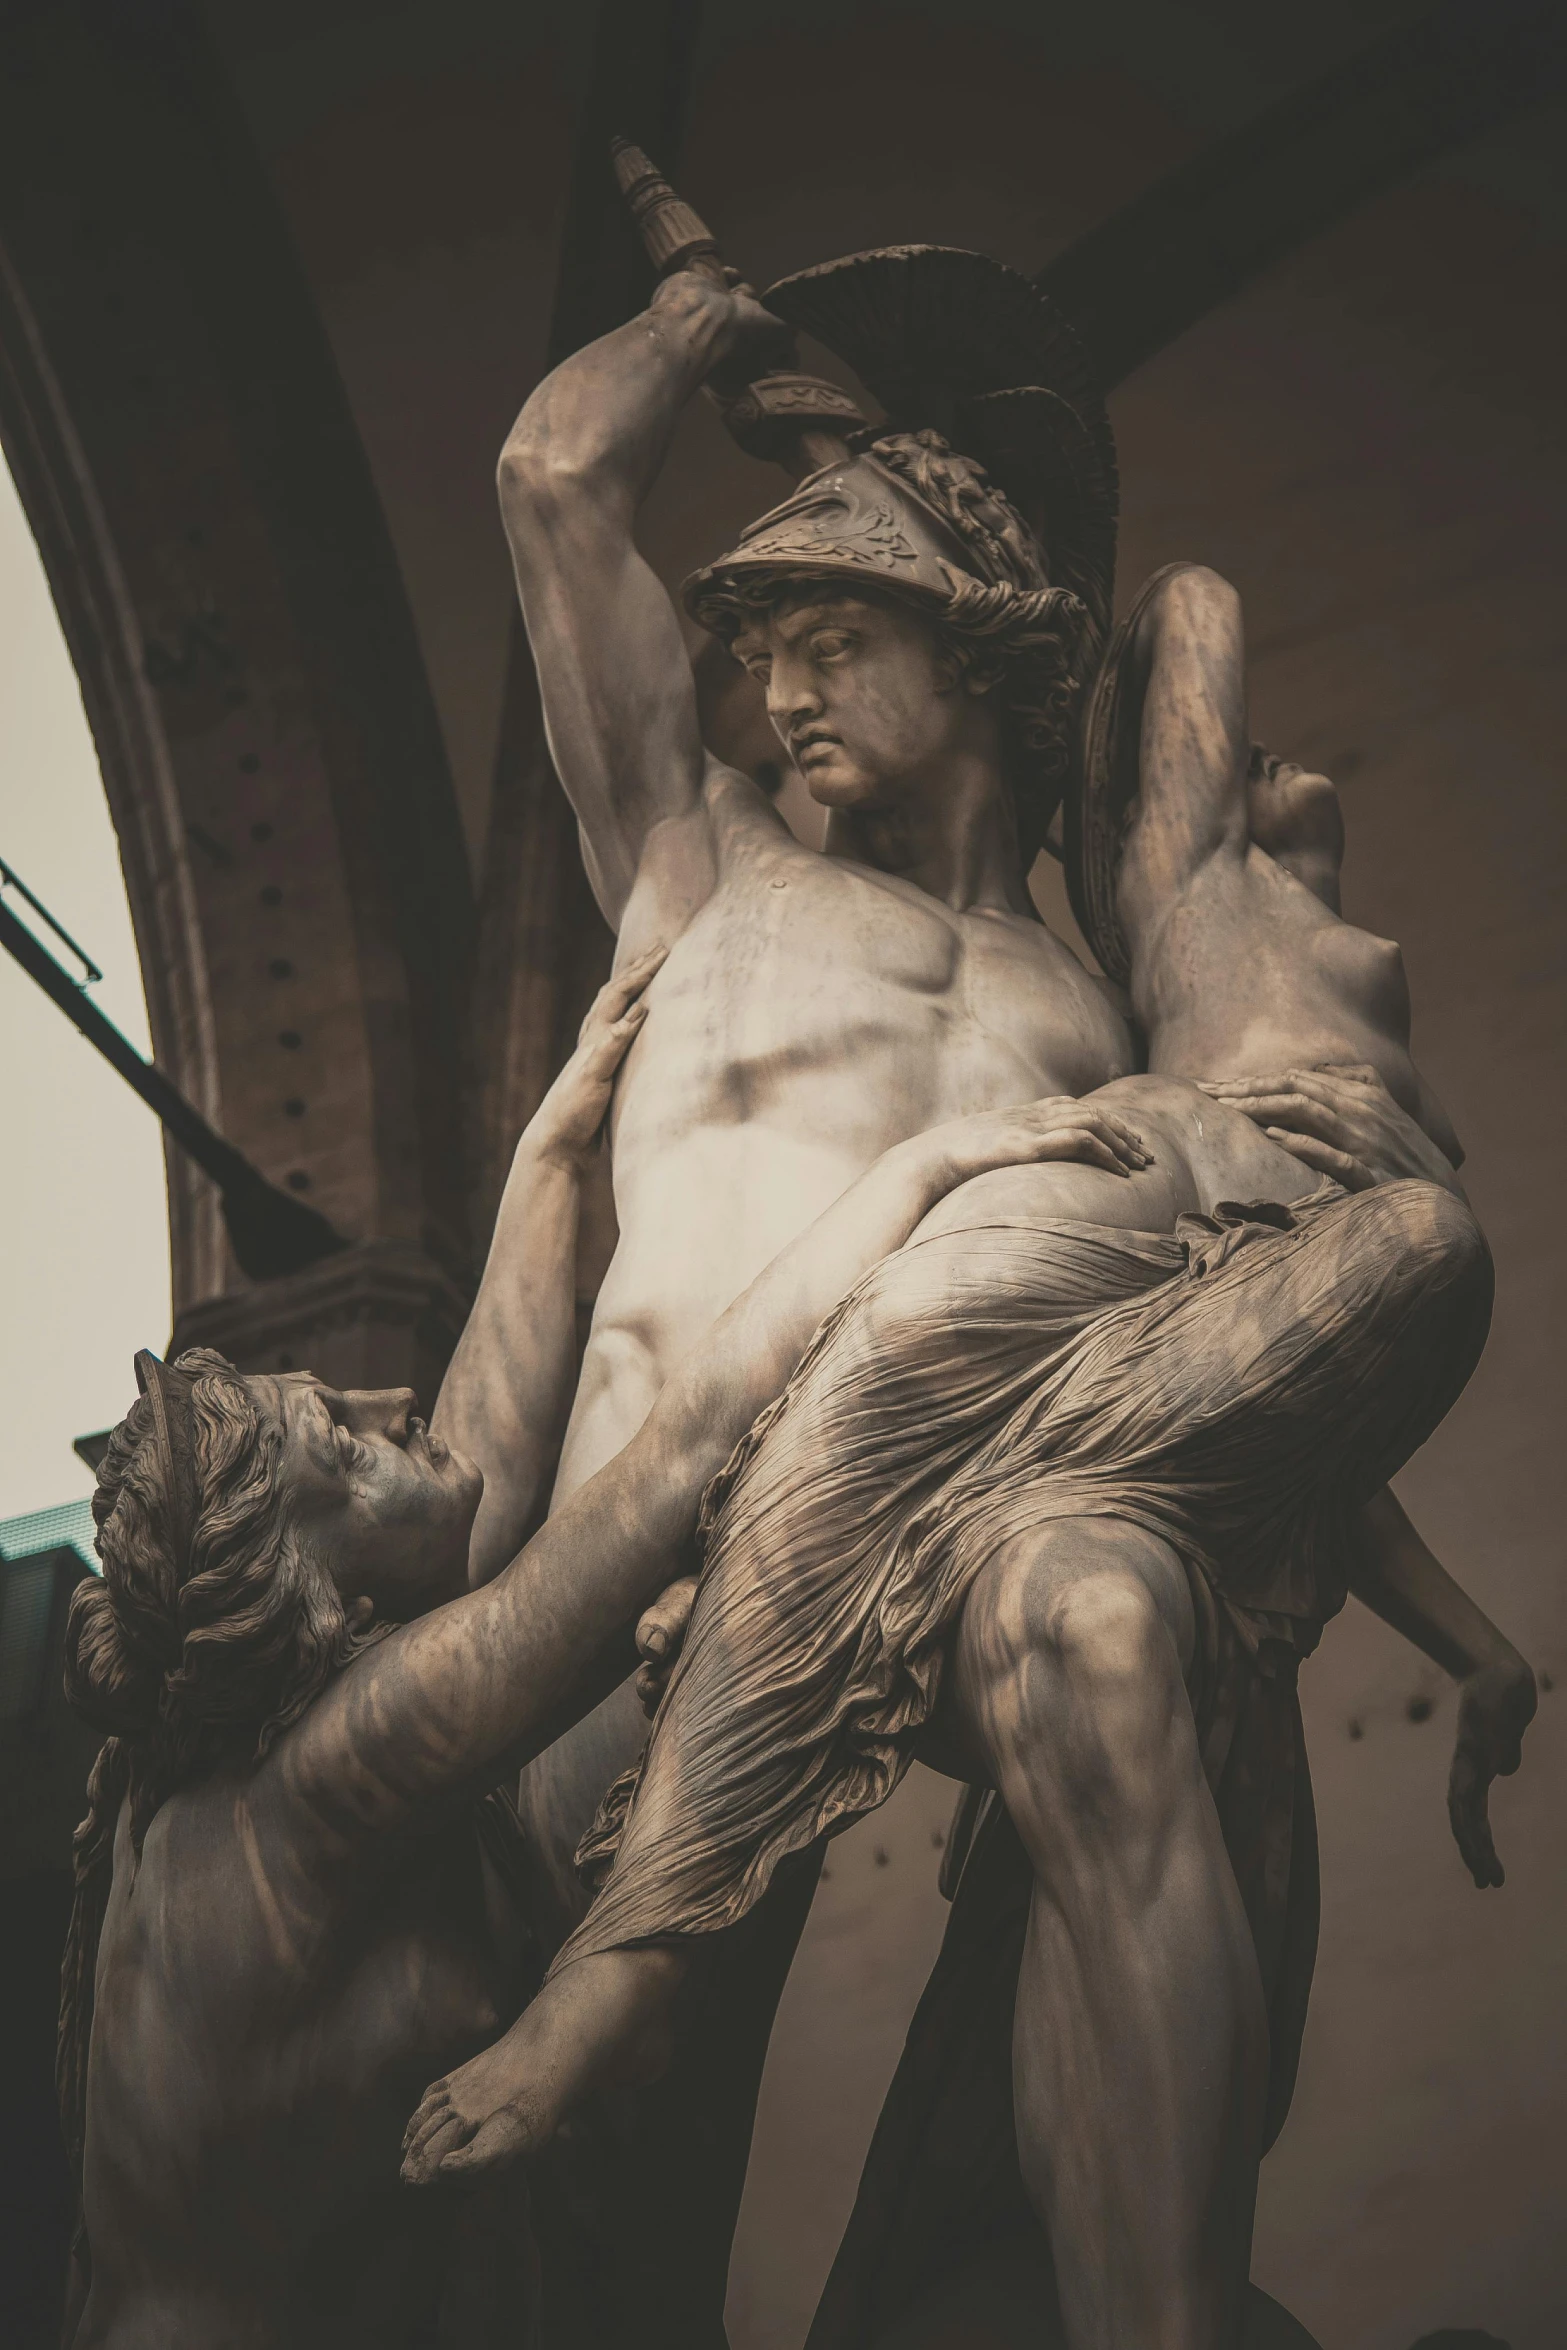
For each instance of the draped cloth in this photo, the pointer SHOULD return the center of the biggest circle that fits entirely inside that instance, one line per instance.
(1239, 1387)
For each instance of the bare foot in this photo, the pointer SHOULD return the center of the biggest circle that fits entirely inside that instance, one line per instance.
(604, 2020)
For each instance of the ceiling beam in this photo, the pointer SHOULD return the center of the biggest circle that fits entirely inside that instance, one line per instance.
(1187, 244)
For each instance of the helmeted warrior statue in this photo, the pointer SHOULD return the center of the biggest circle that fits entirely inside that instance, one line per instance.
(991, 1519)
(1040, 1337)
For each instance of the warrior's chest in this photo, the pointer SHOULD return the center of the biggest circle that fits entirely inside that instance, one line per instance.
(827, 929)
(816, 962)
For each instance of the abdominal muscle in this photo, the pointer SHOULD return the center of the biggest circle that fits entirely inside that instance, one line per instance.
(702, 1219)
(1203, 1152)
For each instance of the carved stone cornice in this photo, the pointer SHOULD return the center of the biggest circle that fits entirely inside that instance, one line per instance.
(382, 1314)
(234, 608)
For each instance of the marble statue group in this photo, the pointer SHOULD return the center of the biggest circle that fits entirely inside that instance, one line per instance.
(1002, 1364)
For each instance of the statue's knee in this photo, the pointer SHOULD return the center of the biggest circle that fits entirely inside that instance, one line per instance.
(1079, 1666)
(1458, 1250)
(1110, 1644)
(1433, 1293)
(1444, 1277)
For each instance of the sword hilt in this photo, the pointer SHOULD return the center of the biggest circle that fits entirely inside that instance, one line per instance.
(800, 422)
(674, 236)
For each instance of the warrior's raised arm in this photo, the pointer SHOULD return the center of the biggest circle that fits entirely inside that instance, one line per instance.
(619, 700)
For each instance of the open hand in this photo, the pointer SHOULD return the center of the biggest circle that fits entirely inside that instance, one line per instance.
(1061, 1127)
(568, 1120)
(1341, 1120)
(660, 1637)
(1495, 1706)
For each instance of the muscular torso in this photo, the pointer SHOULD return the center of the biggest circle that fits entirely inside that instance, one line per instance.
(255, 2056)
(812, 1014)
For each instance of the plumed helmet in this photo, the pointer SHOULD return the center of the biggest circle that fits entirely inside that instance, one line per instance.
(989, 493)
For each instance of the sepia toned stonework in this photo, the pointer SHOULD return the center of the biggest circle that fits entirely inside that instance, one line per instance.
(815, 838)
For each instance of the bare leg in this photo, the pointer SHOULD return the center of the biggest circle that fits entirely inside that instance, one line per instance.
(608, 2019)
(1141, 2035)
(1141, 2049)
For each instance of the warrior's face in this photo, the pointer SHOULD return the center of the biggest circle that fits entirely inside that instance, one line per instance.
(863, 698)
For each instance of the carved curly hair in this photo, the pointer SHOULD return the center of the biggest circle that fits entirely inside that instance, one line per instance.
(187, 1662)
(1004, 621)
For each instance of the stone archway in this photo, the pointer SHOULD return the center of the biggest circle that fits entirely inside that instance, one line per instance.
(273, 765)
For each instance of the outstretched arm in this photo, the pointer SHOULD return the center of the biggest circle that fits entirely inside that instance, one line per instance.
(619, 701)
(1186, 722)
(505, 1398)
(444, 1705)
(1399, 1580)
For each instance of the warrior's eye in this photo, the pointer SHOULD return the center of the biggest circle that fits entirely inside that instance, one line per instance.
(828, 643)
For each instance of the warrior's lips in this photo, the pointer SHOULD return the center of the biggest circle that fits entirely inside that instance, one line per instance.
(809, 747)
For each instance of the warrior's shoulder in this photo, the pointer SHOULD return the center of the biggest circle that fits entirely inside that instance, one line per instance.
(744, 820)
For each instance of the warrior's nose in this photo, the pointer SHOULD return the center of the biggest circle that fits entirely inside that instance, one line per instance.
(792, 702)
